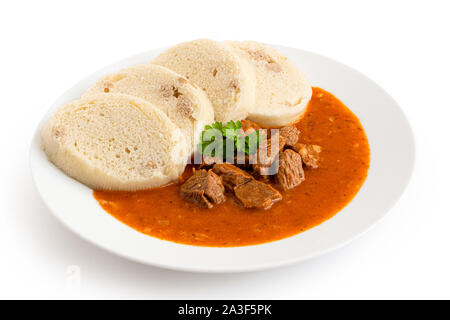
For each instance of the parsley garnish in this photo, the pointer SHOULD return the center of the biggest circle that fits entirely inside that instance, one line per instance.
(217, 136)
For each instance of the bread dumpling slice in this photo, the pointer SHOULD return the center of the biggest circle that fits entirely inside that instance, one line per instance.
(115, 142)
(228, 81)
(181, 100)
(282, 91)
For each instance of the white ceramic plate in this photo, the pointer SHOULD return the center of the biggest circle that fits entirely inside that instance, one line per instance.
(392, 159)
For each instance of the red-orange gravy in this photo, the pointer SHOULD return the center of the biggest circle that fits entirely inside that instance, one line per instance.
(343, 167)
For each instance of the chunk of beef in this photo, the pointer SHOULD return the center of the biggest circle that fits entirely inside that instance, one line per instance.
(208, 161)
(242, 161)
(231, 175)
(290, 172)
(249, 126)
(203, 188)
(291, 135)
(256, 194)
(267, 153)
(264, 159)
(309, 153)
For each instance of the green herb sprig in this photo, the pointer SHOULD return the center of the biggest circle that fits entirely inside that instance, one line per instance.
(215, 138)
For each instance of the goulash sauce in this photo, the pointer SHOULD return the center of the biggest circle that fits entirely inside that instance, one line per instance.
(343, 166)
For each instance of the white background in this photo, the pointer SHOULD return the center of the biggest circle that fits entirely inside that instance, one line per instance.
(47, 46)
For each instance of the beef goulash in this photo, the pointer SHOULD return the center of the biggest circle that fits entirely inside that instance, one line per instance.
(322, 164)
